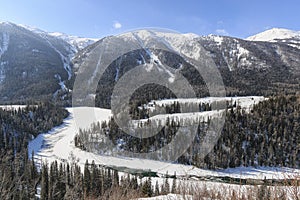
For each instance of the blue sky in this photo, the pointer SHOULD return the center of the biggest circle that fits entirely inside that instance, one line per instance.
(92, 18)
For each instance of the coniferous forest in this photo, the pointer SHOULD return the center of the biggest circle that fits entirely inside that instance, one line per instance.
(268, 135)
(18, 174)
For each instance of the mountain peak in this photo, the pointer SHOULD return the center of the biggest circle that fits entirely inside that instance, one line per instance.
(274, 34)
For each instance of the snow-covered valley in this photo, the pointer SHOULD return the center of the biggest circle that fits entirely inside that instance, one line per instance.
(58, 144)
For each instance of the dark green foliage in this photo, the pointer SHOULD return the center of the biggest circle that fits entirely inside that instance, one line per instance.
(95, 183)
(19, 175)
(44, 182)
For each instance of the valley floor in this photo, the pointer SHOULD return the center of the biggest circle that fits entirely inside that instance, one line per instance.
(58, 144)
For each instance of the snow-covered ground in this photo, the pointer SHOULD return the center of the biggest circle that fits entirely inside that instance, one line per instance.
(58, 144)
(182, 118)
(244, 102)
(192, 104)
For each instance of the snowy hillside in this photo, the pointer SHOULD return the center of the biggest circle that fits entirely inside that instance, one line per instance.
(189, 107)
(275, 34)
(76, 42)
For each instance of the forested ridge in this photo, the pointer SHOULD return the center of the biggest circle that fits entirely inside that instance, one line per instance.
(268, 135)
(18, 174)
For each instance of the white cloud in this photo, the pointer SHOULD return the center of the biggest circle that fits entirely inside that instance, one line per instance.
(117, 25)
(222, 32)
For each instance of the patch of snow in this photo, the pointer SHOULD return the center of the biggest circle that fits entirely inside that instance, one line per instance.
(184, 119)
(24, 74)
(12, 107)
(169, 197)
(119, 61)
(78, 42)
(65, 60)
(35, 50)
(245, 102)
(216, 38)
(2, 73)
(61, 83)
(5, 42)
(295, 46)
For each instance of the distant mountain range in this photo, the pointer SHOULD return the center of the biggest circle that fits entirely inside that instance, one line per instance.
(35, 64)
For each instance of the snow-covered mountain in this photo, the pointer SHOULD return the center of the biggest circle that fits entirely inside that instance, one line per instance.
(78, 43)
(275, 34)
(35, 59)
(247, 67)
(35, 63)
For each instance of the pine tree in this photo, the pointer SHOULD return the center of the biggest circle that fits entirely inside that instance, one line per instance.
(86, 179)
(174, 185)
(116, 178)
(166, 186)
(147, 188)
(156, 191)
(44, 182)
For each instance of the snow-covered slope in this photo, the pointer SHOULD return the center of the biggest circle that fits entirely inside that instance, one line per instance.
(76, 42)
(191, 116)
(275, 34)
(58, 144)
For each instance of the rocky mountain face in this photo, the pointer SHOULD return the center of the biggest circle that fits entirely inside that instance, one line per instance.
(255, 67)
(35, 64)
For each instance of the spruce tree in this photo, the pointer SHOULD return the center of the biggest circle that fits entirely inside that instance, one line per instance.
(44, 182)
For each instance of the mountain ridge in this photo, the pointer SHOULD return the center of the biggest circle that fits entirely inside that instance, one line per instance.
(35, 56)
